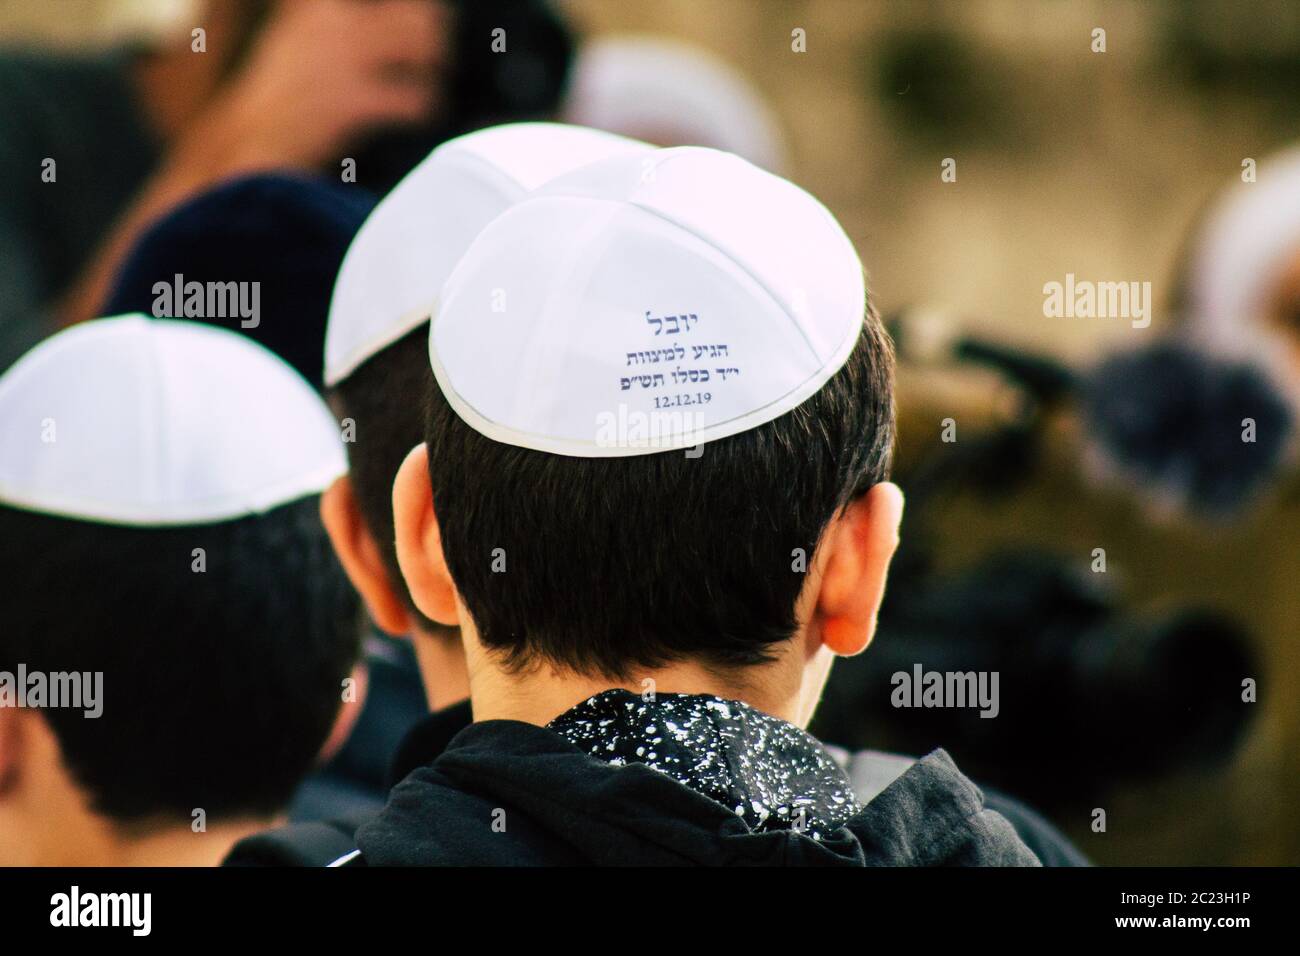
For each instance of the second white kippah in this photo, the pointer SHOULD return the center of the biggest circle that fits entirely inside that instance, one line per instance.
(647, 303)
(152, 422)
(399, 259)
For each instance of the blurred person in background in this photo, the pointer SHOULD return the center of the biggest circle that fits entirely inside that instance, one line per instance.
(297, 84)
(671, 93)
(178, 633)
(288, 234)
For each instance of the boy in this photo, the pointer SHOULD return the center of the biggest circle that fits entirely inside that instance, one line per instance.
(376, 354)
(653, 498)
(376, 374)
(165, 570)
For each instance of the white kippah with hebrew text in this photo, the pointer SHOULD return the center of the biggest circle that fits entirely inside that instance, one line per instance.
(647, 303)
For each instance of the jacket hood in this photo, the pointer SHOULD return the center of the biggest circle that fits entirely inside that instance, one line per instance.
(509, 793)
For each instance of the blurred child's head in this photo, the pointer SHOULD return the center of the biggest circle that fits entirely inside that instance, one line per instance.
(166, 570)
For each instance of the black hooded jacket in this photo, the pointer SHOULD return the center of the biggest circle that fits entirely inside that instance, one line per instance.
(674, 781)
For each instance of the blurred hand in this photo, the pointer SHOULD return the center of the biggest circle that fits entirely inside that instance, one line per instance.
(323, 73)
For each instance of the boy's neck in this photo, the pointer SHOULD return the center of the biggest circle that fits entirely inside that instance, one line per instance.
(441, 660)
(540, 694)
(171, 844)
(181, 846)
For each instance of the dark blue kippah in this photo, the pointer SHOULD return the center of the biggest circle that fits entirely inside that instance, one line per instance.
(287, 232)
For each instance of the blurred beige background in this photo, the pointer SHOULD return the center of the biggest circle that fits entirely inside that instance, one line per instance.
(90, 23)
(1098, 168)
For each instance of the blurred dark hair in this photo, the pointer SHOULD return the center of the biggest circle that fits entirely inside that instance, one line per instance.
(615, 564)
(219, 687)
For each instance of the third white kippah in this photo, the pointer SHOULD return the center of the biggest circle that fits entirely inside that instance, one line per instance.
(137, 421)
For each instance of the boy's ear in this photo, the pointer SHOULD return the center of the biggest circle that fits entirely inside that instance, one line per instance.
(419, 544)
(10, 748)
(361, 557)
(859, 544)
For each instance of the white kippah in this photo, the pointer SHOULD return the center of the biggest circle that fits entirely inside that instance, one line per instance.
(140, 421)
(647, 303)
(400, 258)
(671, 93)
(1249, 239)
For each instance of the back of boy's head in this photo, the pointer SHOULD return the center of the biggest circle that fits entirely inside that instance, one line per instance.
(618, 564)
(578, 526)
(219, 685)
(376, 348)
(159, 507)
(375, 400)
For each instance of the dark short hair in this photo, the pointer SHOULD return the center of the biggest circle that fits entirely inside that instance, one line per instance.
(219, 687)
(617, 564)
(385, 399)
